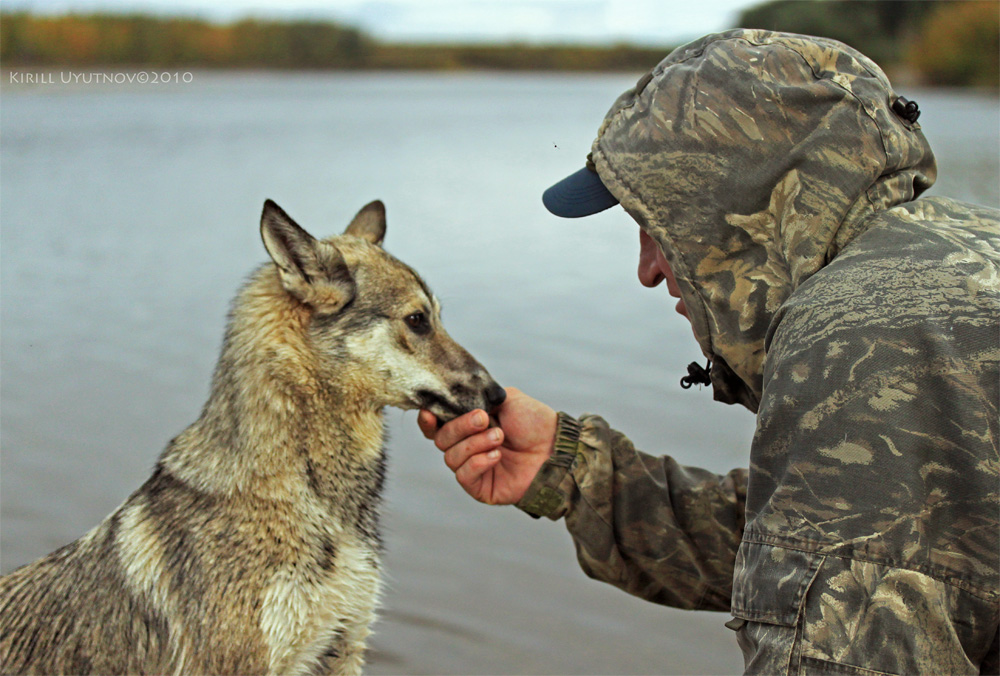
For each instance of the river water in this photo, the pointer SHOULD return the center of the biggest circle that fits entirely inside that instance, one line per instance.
(130, 217)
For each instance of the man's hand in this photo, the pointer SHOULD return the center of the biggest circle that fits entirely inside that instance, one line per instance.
(496, 465)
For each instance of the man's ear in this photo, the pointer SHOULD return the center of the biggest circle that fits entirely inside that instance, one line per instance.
(314, 272)
(369, 223)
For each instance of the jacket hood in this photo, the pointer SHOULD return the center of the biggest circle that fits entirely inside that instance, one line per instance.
(753, 158)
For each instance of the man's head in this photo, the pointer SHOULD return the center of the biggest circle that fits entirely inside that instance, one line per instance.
(751, 159)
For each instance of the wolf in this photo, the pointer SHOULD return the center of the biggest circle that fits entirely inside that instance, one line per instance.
(254, 546)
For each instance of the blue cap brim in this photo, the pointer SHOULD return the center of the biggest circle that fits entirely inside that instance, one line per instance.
(580, 194)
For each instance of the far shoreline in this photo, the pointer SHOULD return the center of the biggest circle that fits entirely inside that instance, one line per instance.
(71, 77)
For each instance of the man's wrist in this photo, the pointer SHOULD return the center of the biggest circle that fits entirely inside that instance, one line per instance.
(567, 434)
(544, 496)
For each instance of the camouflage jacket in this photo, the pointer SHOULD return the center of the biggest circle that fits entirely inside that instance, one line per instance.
(859, 322)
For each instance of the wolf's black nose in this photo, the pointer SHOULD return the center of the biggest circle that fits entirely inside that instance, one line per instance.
(495, 395)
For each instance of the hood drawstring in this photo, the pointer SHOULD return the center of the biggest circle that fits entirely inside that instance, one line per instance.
(697, 375)
(908, 110)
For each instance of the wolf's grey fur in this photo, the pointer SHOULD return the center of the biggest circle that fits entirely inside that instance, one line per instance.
(254, 546)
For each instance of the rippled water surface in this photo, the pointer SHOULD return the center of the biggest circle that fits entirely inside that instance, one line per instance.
(130, 217)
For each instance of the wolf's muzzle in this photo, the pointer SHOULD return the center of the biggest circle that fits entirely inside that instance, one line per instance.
(463, 400)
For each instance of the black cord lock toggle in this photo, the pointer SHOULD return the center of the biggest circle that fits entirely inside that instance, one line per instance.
(908, 110)
(697, 375)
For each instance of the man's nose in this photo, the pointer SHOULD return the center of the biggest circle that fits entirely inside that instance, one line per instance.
(649, 272)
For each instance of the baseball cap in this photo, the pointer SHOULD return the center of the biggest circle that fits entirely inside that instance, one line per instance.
(582, 193)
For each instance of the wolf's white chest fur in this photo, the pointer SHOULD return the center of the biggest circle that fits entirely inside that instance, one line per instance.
(305, 612)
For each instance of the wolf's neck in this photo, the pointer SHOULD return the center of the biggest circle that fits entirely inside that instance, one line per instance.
(260, 441)
(272, 424)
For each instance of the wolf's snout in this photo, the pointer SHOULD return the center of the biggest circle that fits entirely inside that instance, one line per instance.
(495, 395)
(461, 399)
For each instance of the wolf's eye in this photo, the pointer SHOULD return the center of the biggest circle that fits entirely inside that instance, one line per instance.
(418, 323)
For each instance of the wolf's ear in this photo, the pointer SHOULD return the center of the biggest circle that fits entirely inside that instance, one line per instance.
(312, 271)
(369, 223)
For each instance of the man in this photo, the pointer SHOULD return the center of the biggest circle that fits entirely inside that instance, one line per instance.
(775, 179)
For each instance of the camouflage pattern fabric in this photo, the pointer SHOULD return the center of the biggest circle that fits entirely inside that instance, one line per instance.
(861, 324)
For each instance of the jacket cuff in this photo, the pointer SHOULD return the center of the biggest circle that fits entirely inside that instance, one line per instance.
(549, 493)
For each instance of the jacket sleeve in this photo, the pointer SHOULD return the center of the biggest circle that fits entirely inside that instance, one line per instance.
(648, 525)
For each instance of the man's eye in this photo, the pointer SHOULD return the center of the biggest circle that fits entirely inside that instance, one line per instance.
(418, 322)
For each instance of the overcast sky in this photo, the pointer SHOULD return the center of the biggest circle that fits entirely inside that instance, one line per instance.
(657, 22)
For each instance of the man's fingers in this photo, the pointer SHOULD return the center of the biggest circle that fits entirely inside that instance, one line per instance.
(477, 444)
(428, 423)
(470, 473)
(460, 428)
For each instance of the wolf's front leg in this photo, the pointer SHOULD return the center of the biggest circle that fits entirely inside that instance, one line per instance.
(350, 662)
(346, 655)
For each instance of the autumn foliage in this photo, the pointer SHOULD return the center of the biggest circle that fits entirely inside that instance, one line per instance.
(960, 44)
(126, 40)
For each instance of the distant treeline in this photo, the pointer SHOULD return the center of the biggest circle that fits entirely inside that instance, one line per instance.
(133, 40)
(945, 42)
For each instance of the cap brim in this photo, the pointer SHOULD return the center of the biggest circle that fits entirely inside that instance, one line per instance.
(580, 194)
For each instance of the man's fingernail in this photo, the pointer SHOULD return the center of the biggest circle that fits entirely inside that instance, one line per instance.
(480, 419)
(495, 434)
